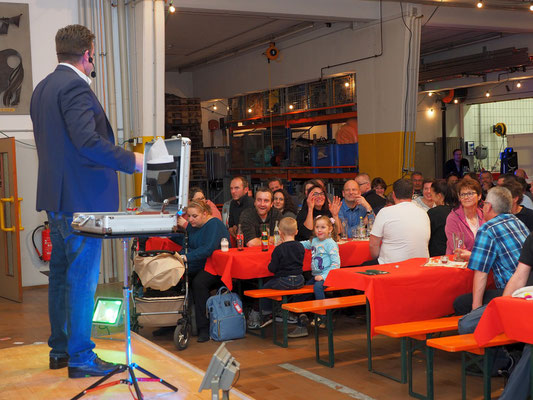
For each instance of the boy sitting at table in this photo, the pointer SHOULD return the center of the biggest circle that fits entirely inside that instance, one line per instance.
(286, 265)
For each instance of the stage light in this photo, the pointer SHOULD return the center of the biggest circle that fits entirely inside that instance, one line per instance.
(107, 311)
(519, 84)
(487, 94)
(479, 4)
(221, 374)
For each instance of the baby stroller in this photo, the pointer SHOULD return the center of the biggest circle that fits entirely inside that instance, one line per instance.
(160, 292)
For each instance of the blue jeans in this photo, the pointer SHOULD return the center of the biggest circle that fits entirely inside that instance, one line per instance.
(74, 271)
(280, 283)
(318, 288)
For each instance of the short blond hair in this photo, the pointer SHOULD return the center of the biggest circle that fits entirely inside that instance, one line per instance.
(288, 226)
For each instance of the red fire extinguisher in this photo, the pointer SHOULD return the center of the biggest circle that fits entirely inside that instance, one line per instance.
(46, 242)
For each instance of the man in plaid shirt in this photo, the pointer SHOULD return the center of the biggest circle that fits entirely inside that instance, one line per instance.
(497, 247)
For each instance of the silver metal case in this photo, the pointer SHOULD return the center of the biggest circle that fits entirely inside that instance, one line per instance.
(115, 223)
(163, 181)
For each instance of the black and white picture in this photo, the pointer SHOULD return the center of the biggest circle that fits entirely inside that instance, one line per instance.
(15, 59)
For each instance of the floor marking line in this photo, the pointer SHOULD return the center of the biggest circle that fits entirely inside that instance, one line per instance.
(325, 381)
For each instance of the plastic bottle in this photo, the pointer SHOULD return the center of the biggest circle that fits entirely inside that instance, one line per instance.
(370, 218)
(240, 239)
(224, 244)
(264, 238)
(277, 236)
(361, 231)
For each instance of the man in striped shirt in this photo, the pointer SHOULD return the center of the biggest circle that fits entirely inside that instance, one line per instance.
(496, 248)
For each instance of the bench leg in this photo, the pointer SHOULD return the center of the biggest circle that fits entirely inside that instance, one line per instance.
(368, 337)
(284, 329)
(428, 351)
(331, 352)
(403, 364)
(488, 358)
(484, 362)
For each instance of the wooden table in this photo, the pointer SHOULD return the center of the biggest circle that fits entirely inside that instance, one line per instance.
(252, 263)
(409, 292)
(509, 315)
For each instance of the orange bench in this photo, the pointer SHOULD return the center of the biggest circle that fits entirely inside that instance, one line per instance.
(325, 307)
(281, 296)
(466, 344)
(408, 332)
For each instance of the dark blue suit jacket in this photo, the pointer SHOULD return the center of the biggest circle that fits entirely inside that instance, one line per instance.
(76, 148)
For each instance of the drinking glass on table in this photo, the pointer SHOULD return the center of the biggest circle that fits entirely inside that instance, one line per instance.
(344, 233)
(458, 244)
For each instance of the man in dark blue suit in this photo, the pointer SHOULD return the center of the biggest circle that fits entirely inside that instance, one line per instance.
(78, 161)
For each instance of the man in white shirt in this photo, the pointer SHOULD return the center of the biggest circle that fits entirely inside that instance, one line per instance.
(401, 231)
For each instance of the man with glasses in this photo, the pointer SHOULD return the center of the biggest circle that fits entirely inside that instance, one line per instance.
(376, 202)
(496, 248)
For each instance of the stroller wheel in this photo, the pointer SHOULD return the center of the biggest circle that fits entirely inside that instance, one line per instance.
(182, 334)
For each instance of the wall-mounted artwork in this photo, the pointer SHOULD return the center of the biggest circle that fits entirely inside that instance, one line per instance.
(15, 59)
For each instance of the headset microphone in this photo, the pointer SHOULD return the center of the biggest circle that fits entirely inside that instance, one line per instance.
(93, 73)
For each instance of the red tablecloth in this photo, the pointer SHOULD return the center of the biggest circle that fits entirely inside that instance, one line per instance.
(410, 292)
(509, 315)
(253, 263)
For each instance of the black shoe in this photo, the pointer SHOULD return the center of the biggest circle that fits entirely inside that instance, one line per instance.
(58, 362)
(96, 367)
(203, 336)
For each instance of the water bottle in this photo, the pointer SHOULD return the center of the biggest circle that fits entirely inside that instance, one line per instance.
(240, 239)
(370, 217)
(224, 244)
(264, 238)
(361, 231)
(277, 236)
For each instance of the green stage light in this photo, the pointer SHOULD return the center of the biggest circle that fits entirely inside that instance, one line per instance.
(107, 311)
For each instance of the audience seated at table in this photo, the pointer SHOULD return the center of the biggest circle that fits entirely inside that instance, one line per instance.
(487, 182)
(519, 383)
(198, 195)
(505, 178)
(283, 203)
(261, 213)
(379, 186)
(354, 206)
(496, 248)
(400, 231)
(376, 201)
(204, 235)
(524, 214)
(452, 179)
(286, 264)
(426, 200)
(316, 204)
(467, 217)
(418, 182)
(444, 199)
(240, 201)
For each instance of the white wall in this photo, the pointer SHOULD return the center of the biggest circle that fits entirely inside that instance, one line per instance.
(179, 84)
(46, 17)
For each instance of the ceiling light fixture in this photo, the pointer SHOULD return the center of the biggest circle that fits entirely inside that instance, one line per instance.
(456, 101)
(531, 6)
(430, 94)
(487, 94)
(518, 84)
(479, 4)
(346, 84)
(431, 111)
(291, 106)
(250, 110)
(171, 8)
(214, 106)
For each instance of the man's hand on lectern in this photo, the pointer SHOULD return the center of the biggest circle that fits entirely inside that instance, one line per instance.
(139, 162)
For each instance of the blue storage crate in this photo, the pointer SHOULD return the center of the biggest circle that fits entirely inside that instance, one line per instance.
(346, 154)
(323, 156)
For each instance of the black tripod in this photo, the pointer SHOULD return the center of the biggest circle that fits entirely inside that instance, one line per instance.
(129, 366)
